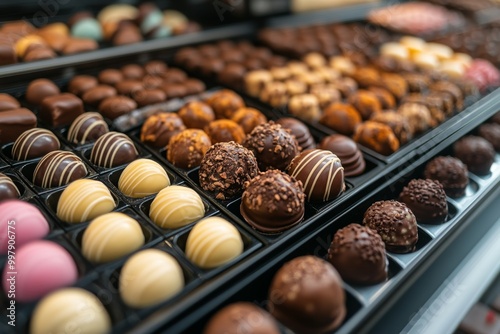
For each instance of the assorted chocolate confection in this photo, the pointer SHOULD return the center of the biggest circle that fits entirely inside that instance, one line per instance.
(8, 102)
(346, 149)
(159, 128)
(113, 149)
(299, 130)
(8, 189)
(87, 128)
(451, 173)
(187, 148)
(491, 132)
(39, 89)
(143, 177)
(34, 143)
(60, 110)
(426, 199)
(14, 122)
(476, 152)
(196, 114)
(58, 168)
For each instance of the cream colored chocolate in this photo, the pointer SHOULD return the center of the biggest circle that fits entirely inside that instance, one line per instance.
(176, 206)
(84, 126)
(111, 236)
(84, 200)
(33, 140)
(143, 177)
(305, 106)
(150, 277)
(213, 242)
(70, 309)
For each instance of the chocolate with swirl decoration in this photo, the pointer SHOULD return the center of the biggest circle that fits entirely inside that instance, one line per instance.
(87, 128)
(321, 173)
(34, 143)
(58, 168)
(113, 149)
(8, 189)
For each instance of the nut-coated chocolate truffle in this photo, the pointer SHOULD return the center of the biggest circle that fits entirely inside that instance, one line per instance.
(418, 116)
(116, 106)
(305, 106)
(348, 152)
(299, 130)
(450, 172)
(341, 117)
(273, 202)
(320, 172)
(159, 128)
(225, 168)
(58, 168)
(417, 83)
(111, 236)
(248, 118)
(8, 102)
(491, 132)
(86, 128)
(242, 317)
(113, 149)
(376, 136)
(83, 200)
(273, 146)
(395, 223)
(8, 189)
(143, 177)
(224, 103)
(450, 88)
(224, 130)
(306, 295)
(358, 253)
(60, 110)
(476, 152)
(326, 94)
(95, 95)
(426, 199)
(366, 103)
(150, 277)
(397, 122)
(39, 89)
(187, 148)
(34, 143)
(213, 242)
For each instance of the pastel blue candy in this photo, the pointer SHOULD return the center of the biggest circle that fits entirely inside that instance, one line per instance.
(87, 28)
(162, 31)
(151, 21)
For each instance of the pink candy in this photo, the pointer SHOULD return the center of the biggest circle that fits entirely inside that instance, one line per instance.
(483, 73)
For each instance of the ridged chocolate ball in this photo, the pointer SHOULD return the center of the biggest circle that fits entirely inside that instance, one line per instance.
(426, 199)
(299, 130)
(348, 152)
(8, 189)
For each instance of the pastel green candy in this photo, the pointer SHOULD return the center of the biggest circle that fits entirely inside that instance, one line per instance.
(87, 28)
(151, 21)
(161, 31)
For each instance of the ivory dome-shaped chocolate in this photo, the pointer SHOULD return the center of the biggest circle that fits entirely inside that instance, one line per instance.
(143, 177)
(113, 149)
(34, 143)
(58, 168)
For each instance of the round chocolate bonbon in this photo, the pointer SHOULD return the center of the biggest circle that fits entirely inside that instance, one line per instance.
(34, 143)
(346, 149)
(426, 199)
(113, 149)
(450, 172)
(143, 177)
(58, 168)
(8, 190)
(86, 128)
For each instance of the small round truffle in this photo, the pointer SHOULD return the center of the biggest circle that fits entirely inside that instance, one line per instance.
(58, 168)
(83, 200)
(213, 242)
(397, 122)
(299, 130)
(341, 117)
(321, 174)
(418, 116)
(97, 94)
(224, 130)
(225, 168)
(241, 317)
(366, 103)
(417, 83)
(386, 99)
(366, 76)
(275, 94)
(394, 83)
(395, 223)
(346, 86)
(146, 97)
(110, 76)
(8, 189)
(150, 277)
(224, 103)
(86, 128)
(326, 94)
(116, 106)
(196, 114)
(8, 102)
(255, 81)
(248, 118)
(175, 207)
(376, 136)
(491, 132)
(81, 83)
(358, 253)
(273, 146)
(113, 149)
(273, 202)
(232, 74)
(48, 318)
(143, 177)
(426, 199)
(450, 172)
(159, 128)
(305, 106)
(133, 71)
(187, 148)
(34, 143)
(295, 87)
(39, 89)
(306, 295)
(476, 152)
(348, 152)
(111, 236)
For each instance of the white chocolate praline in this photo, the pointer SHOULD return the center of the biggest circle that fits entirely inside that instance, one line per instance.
(441, 51)
(305, 106)
(143, 177)
(176, 206)
(213, 242)
(84, 200)
(463, 58)
(413, 44)
(342, 64)
(70, 309)
(395, 50)
(452, 68)
(256, 80)
(111, 236)
(314, 60)
(426, 60)
(150, 277)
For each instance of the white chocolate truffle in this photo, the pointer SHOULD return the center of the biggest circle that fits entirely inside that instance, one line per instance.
(342, 64)
(314, 60)
(213, 242)
(305, 106)
(453, 68)
(142, 178)
(150, 277)
(175, 207)
(84, 200)
(426, 61)
(70, 309)
(462, 58)
(441, 51)
(110, 237)
(395, 50)
(413, 44)
(256, 80)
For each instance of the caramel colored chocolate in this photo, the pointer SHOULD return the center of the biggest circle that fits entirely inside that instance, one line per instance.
(60, 110)
(376, 136)
(116, 106)
(14, 122)
(225, 130)
(8, 102)
(159, 128)
(225, 103)
(196, 114)
(249, 118)
(341, 117)
(187, 148)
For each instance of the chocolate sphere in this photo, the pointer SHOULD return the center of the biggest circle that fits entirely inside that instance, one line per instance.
(476, 152)
(426, 199)
(299, 130)
(113, 149)
(39, 89)
(248, 118)
(159, 128)
(225, 103)
(86, 128)
(34, 143)
(376, 136)
(224, 130)
(8, 189)
(196, 114)
(58, 168)
(450, 172)
(187, 148)
(491, 132)
(348, 152)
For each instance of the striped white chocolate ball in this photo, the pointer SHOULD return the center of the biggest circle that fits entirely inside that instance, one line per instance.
(143, 177)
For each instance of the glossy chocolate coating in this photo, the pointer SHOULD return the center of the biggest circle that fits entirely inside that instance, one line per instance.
(87, 128)
(174, 90)
(450, 172)
(249, 118)
(110, 76)
(224, 103)
(299, 130)
(225, 168)
(395, 223)
(60, 110)
(196, 114)
(116, 106)
(95, 95)
(341, 117)
(58, 168)
(346, 149)
(225, 130)
(358, 253)
(426, 199)
(82, 83)
(8, 189)
(14, 122)
(34, 143)
(113, 149)
(149, 96)
(39, 89)
(366, 103)
(159, 128)
(8, 102)
(376, 136)
(491, 132)
(476, 152)
(187, 148)
(133, 71)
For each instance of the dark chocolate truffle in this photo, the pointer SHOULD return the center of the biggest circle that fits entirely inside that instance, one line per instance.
(82, 83)
(299, 130)
(159, 128)
(187, 148)
(273, 146)
(62, 109)
(341, 117)
(426, 199)
(225, 168)
(34, 143)
(376, 136)
(496, 118)
(113, 149)
(223, 130)
(395, 223)
(273, 202)
(491, 132)
(476, 152)
(307, 296)
(358, 253)
(8, 189)
(110, 76)
(320, 172)
(58, 168)
(450, 172)
(249, 118)
(95, 95)
(87, 128)
(242, 317)
(39, 89)
(116, 106)
(225, 103)
(14, 122)
(8, 102)
(348, 152)
(196, 114)
(133, 71)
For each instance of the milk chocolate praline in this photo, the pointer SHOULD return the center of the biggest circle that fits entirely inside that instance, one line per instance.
(426, 199)
(58, 168)
(225, 103)
(187, 148)
(196, 114)
(346, 149)
(491, 132)
(224, 130)
(82, 83)
(476, 152)
(341, 117)
(299, 130)
(8, 102)
(249, 118)
(450, 172)
(113, 149)
(8, 189)
(159, 128)
(86, 128)
(39, 89)
(34, 143)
